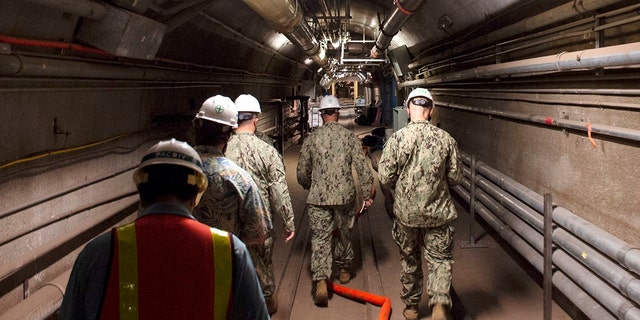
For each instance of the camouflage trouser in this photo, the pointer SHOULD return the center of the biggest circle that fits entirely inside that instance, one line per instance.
(262, 255)
(438, 248)
(323, 221)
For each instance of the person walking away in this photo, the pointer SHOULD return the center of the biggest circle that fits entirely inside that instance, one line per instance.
(232, 202)
(325, 168)
(266, 167)
(165, 265)
(419, 162)
(372, 146)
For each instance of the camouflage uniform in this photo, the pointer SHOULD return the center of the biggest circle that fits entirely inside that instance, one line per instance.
(266, 138)
(420, 162)
(232, 201)
(266, 167)
(325, 168)
(374, 156)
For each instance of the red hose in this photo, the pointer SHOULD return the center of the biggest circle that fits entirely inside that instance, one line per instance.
(50, 44)
(383, 302)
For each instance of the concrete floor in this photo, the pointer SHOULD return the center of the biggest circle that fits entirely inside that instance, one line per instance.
(487, 282)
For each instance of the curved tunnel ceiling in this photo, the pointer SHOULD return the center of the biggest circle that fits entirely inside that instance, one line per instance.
(212, 30)
(232, 37)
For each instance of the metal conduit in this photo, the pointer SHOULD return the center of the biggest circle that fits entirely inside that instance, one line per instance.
(627, 283)
(613, 56)
(130, 204)
(608, 244)
(624, 133)
(613, 247)
(286, 16)
(578, 91)
(555, 15)
(604, 294)
(613, 273)
(618, 277)
(609, 298)
(43, 303)
(402, 12)
(538, 100)
(564, 284)
(553, 31)
(27, 66)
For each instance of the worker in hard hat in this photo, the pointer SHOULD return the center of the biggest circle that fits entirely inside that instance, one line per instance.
(266, 167)
(165, 265)
(420, 162)
(325, 166)
(232, 202)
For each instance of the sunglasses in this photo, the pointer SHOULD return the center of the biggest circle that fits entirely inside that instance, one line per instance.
(423, 102)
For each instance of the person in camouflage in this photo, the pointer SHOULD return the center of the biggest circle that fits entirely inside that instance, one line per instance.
(266, 167)
(232, 202)
(325, 169)
(420, 162)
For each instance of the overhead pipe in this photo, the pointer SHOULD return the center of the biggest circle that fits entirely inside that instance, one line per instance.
(402, 12)
(526, 26)
(482, 94)
(28, 66)
(285, 16)
(81, 8)
(613, 56)
(611, 131)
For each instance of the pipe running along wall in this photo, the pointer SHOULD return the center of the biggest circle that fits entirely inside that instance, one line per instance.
(558, 14)
(613, 56)
(590, 261)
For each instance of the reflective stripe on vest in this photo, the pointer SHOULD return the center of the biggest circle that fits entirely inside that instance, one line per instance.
(127, 282)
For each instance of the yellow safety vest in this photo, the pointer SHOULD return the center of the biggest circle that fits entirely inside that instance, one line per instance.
(168, 267)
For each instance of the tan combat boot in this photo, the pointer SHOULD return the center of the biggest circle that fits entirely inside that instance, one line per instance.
(438, 312)
(321, 297)
(410, 312)
(345, 276)
(272, 303)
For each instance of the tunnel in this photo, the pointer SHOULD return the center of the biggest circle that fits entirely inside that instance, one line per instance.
(542, 98)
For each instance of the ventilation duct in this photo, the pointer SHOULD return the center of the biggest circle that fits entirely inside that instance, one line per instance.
(286, 16)
(391, 27)
(123, 33)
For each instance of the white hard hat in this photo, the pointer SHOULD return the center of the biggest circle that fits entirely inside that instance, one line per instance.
(219, 109)
(418, 92)
(173, 152)
(247, 103)
(329, 102)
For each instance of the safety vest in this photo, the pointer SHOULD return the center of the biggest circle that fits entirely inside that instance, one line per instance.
(169, 267)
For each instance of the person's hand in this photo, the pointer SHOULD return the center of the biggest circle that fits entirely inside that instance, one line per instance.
(288, 235)
(368, 203)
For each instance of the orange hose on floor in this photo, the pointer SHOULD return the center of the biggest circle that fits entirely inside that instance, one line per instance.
(383, 302)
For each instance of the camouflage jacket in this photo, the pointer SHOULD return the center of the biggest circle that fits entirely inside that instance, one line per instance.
(232, 201)
(420, 162)
(266, 167)
(325, 166)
